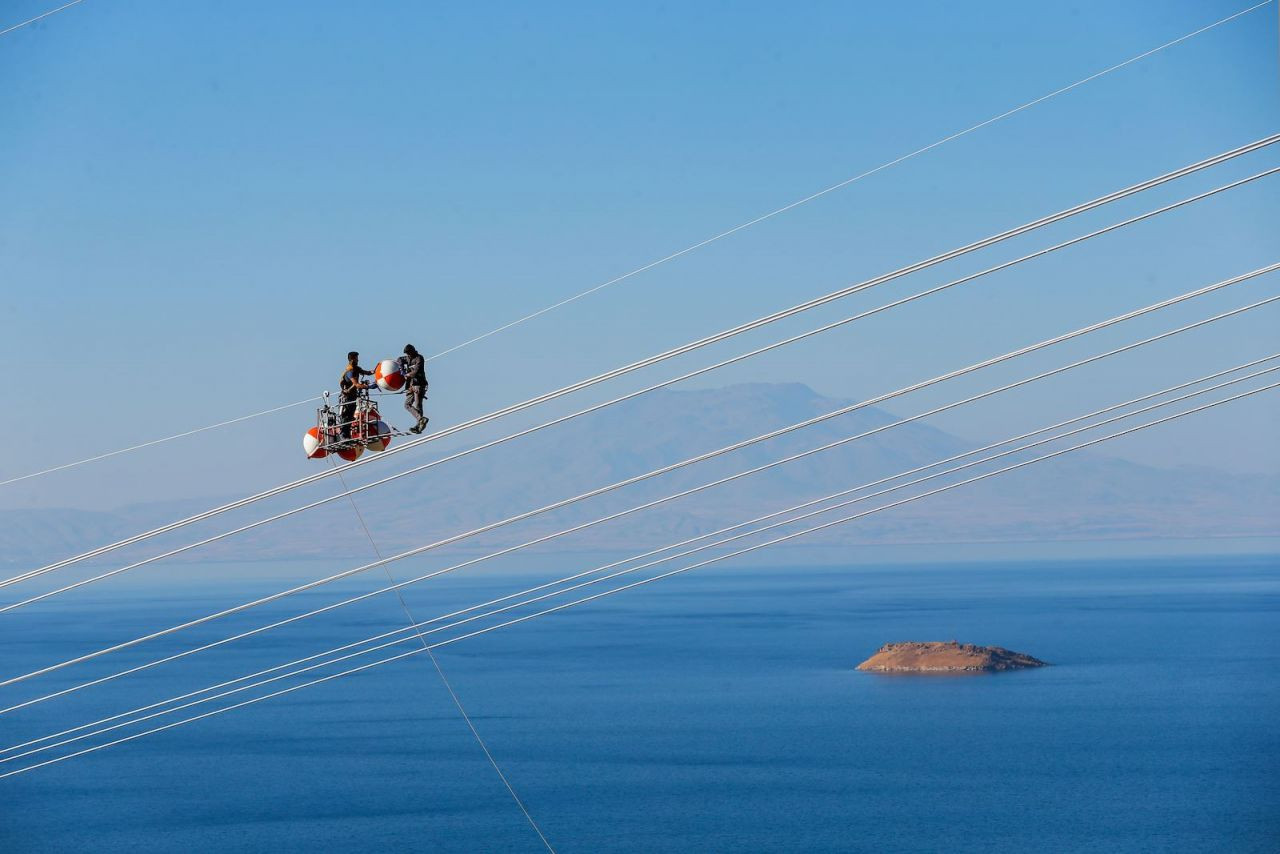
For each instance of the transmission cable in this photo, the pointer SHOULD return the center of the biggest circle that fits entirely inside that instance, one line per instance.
(702, 457)
(632, 585)
(416, 627)
(688, 249)
(862, 315)
(660, 357)
(820, 193)
(148, 444)
(631, 395)
(44, 15)
(547, 537)
(862, 514)
(655, 502)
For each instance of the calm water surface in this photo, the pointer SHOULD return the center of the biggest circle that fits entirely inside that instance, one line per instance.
(707, 713)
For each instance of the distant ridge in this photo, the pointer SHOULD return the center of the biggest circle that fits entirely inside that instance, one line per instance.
(1081, 496)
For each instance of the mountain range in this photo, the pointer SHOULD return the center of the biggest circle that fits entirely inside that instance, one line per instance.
(1083, 495)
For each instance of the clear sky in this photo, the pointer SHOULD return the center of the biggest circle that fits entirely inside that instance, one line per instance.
(205, 205)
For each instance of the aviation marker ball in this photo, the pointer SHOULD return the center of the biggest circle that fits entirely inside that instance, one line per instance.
(351, 454)
(379, 437)
(311, 445)
(388, 375)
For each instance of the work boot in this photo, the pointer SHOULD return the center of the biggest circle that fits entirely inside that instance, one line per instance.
(422, 424)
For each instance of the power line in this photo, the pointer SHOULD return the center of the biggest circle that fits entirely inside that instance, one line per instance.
(429, 649)
(44, 15)
(672, 353)
(548, 537)
(813, 196)
(161, 441)
(416, 627)
(846, 182)
(865, 513)
(631, 395)
(702, 457)
(632, 585)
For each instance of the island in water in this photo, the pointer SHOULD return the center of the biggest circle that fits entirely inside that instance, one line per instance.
(945, 657)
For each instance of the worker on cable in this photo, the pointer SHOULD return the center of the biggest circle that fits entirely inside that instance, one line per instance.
(414, 369)
(349, 388)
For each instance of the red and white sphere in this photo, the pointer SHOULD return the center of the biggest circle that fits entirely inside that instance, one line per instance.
(388, 376)
(312, 446)
(379, 436)
(351, 453)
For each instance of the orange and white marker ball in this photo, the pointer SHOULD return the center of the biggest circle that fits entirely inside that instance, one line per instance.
(351, 454)
(379, 437)
(312, 446)
(388, 375)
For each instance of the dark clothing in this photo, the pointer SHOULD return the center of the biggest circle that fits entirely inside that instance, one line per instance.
(346, 415)
(413, 395)
(350, 384)
(414, 369)
(349, 388)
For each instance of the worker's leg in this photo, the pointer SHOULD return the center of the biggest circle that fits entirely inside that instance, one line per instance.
(345, 416)
(413, 401)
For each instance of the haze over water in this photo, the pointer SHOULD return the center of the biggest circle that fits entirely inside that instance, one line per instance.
(717, 711)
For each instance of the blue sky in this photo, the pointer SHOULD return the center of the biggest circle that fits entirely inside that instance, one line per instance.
(207, 204)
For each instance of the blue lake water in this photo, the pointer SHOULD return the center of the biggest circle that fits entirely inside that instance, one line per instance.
(711, 712)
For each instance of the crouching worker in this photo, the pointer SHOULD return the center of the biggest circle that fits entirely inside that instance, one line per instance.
(414, 368)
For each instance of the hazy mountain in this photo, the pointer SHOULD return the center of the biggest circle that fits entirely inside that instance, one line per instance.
(1080, 496)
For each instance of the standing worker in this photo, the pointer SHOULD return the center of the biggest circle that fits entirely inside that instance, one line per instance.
(349, 388)
(414, 368)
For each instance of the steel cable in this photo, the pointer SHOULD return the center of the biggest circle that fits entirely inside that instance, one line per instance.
(665, 355)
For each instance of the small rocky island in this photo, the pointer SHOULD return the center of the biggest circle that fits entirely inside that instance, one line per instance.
(945, 657)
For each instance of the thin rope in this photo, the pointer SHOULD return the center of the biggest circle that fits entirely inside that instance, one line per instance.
(445, 679)
(418, 626)
(485, 748)
(44, 15)
(631, 395)
(584, 600)
(840, 185)
(421, 549)
(660, 357)
(700, 244)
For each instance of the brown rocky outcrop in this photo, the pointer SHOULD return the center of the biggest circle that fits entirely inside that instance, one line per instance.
(945, 657)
